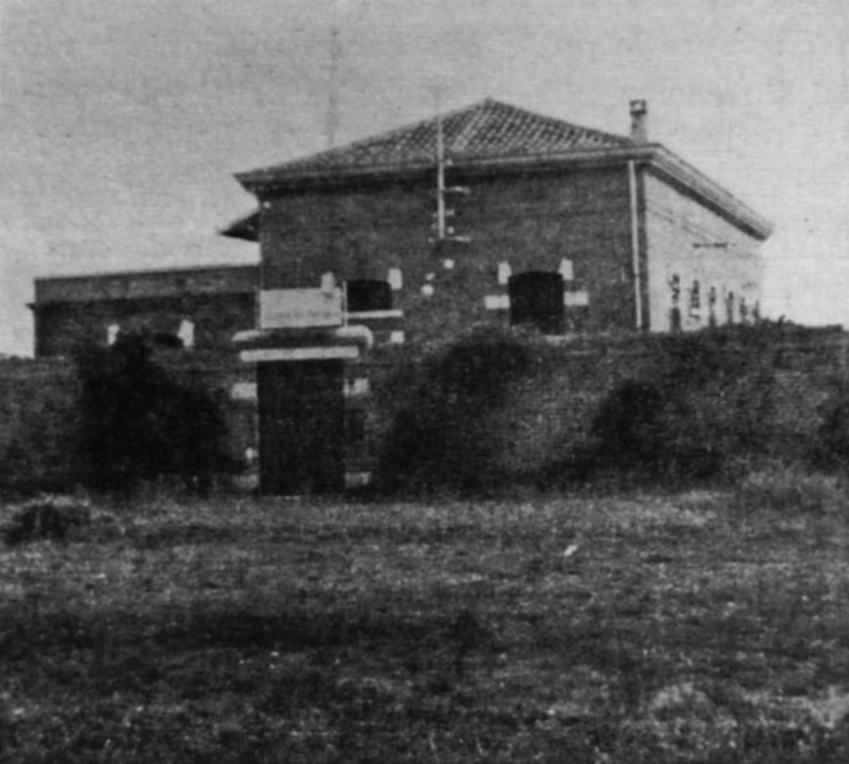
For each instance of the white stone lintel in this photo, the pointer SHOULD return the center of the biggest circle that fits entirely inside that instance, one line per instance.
(264, 355)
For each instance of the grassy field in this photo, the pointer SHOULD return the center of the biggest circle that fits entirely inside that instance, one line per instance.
(640, 629)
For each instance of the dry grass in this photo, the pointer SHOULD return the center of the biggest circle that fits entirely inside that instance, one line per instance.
(598, 630)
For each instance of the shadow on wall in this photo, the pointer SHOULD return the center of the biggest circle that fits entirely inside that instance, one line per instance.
(137, 424)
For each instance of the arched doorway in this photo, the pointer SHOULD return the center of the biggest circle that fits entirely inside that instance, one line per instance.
(536, 299)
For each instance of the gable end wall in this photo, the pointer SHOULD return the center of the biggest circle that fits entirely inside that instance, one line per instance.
(682, 237)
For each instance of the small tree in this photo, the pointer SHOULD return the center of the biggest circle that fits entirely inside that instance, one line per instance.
(440, 439)
(137, 424)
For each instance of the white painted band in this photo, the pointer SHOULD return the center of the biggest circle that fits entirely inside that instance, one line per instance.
(298, 354)
(496, 301)
(375, 314)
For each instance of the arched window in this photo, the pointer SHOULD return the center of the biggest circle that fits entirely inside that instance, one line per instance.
(695, 299)
(712, 306)
(675, 303)
(536, 299)
(675, 289)
(366, 295)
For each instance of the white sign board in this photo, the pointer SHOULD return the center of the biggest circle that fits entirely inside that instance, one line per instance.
(299, 308)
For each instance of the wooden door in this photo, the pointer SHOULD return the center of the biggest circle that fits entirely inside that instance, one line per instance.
(301, 427)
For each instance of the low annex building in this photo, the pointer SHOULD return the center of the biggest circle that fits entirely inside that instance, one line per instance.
(489, 214)
(198, 308)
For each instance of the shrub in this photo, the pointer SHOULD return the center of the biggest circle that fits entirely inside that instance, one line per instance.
(441, 436)
(47, 519)
(642, 431)
(137, 424)
(60, 518)
(629, 429)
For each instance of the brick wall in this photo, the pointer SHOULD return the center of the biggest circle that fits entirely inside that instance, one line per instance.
(777, 392)
(530, 221)
(218, 300)
(36, 418)
(62, 326)
(764, 396)
(38, 411)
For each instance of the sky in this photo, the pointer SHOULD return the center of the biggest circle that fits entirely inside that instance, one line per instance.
(121, 124)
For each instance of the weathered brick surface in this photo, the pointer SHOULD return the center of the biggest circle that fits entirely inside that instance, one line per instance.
(531, 221)
(547, 413)
(218, 300)
(36, 417)
(771, 396)
(63, 326)
(38, 411)
(127, 285)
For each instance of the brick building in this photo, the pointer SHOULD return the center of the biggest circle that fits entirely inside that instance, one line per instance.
(199, 308)
(492, 213)
(485, 215)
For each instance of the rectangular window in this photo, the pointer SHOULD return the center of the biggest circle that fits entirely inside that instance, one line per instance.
(365, 295)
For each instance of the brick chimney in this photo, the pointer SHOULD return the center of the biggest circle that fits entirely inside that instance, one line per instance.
(639, 121)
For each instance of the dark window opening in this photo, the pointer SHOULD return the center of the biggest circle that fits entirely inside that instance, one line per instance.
(712, 305)
(729, 308)
(695, 298)
(365, 295)
(675, 288)
(167, 340)
(355, 425)
(536, 299)
(675, 320)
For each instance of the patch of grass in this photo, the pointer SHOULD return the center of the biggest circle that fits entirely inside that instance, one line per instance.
(793, 490)
(58, 518)
(595, 629)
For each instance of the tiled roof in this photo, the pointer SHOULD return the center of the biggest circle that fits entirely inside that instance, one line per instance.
(485, 130)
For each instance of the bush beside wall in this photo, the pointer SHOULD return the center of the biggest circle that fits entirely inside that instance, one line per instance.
(40, 416)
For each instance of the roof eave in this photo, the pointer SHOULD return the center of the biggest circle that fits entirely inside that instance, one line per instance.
(682, 173)
(264, 183)
(664, 162)
(245, 227)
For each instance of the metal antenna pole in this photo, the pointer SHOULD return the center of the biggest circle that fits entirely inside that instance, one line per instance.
(440, 175)
(333, 95)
